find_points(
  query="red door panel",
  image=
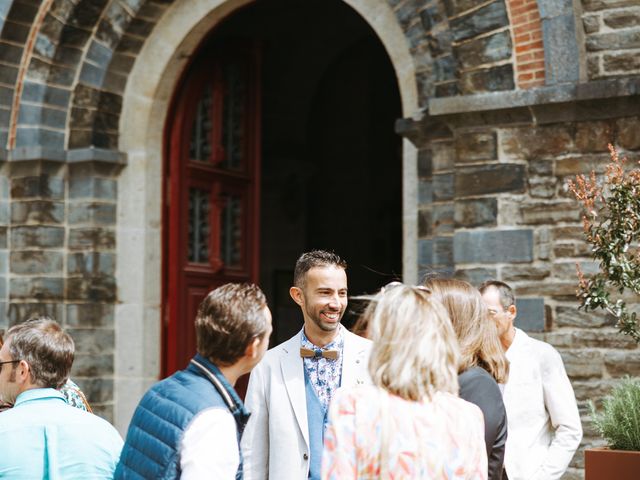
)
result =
(212, 194)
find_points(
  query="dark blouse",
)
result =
(479, 388)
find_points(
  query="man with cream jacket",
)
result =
(290, 389)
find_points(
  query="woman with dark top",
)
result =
(483, 364)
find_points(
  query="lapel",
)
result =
(293, 375)
(354, 361)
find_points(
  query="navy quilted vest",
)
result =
(151, 450)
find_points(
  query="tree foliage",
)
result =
(612, 229)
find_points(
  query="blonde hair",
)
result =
(477, 334)
(415, 352)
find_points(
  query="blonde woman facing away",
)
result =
(410, 423)
(483, 363)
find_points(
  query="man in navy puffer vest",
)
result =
(189, 425)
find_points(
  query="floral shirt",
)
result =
(74, 396)
(373, 434)
(324, 374)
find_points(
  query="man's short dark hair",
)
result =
(507, 297)
(229, 319)
(47, 349)
(312, 259)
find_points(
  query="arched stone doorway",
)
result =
(145, 113)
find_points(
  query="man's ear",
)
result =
(253, 348)
(296, 294)
(23, 372)
(513, 311)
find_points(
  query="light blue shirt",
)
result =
(42, 437)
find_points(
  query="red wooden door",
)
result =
(212, 192)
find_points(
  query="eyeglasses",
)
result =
(8, 361)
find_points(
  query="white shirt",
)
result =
(543, 420)
(209, 447)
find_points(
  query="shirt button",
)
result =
(357, 361)
(305, 456)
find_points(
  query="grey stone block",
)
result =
(488, 179)
(483, 20)
(531, 316)
(92, 213)
(91, 238)
(487, 80)
(90, 365)
(41, 186)
(93, 340)
(97, 390)
(37, 212)
(475, 276)
(425, 252)
(595, 5)
(425, 192)
(3, 237)
(90, 315)
(424, 223)
(3, 288)
(29, 136)
(93, 187)
(37, 236)
(443, 251)
(36, 262)
(4, 187)
(97, 288)
(443, 186)
(442, 218)
(621, 40)
(493, 48)
(4, 262)
(36, 288)
(562, 54)
(493, 246)
(19, 312)
(92, 75)
(471, 147)
(91, 263)
(99, 54)
(476, 213)
(445, 68)
(4, 213)
(425, 164)
(40, 93)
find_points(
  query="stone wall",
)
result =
(612, 29)
(494, 203)
(57, 259)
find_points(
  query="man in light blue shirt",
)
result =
(42, 436)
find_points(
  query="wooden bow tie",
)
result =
(330, 354)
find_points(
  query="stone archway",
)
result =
(146, 102)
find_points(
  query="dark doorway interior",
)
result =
(331, 162)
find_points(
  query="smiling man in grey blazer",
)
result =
(290, 389)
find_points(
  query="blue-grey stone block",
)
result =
(443, 187)
(561, 53)
(43, 186)
(44, 46)
(36, 262)
(91, 263)
(4, 187)
(425, 252)
(29, 137)
(530, 316)
(4, 213)
(493, 246)
(4, 261)
(93, 187)
(18, 312)
(99, 54)
(3, 237)
(485, 19)
(443, 251)
(93, 341)
(36, 288)
(37, 236)
(553, 8)
(425, 192)
(92, 75)
(37, 212)
(90, 315)
(92, 213)
(3, 288)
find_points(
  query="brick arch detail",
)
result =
(526, 28)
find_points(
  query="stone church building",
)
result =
(153, 149)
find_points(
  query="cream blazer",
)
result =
(275, 444)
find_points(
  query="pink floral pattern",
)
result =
(438, 439)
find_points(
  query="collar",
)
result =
(233, 401)
(38, 394)
(336, 344)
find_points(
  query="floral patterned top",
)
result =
(74, 396)
(373, 434)
(324, 374)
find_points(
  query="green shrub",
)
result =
(619, 420)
